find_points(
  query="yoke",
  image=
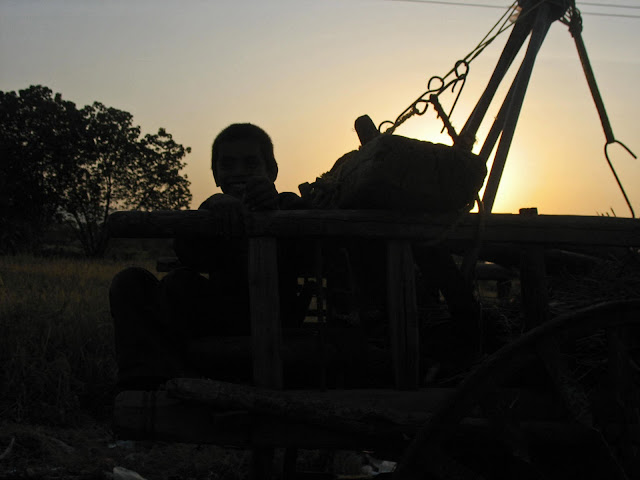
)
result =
(411, 422)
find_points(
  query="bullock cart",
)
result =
(520, 411)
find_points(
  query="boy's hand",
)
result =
(228, 210)
(260, 194)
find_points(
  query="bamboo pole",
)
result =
(543, 21)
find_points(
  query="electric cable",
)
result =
(485, 5)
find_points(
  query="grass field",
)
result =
(57, 368)
(57, 382)
(56, 338)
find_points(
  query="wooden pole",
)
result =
(518, 35)
(403, 314)
(540, 28)
(266, 333)
(266, 330)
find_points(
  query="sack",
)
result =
(395, 172)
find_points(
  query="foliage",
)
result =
(40, 136)
(79, 165)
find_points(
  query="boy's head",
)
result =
(239, 152)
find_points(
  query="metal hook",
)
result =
(613, 170)
(432, 88)
(461, 63)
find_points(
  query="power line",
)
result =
(484, 5)
(620, 15)
(461, 4)
(591, 4)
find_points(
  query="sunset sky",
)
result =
(304, 70)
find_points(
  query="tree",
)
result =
(40, 135)
(80, 165)
(120, 170)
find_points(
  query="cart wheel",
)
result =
(424, 456)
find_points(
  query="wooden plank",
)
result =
(157, 415)
(266, 329)
(352, 409)
(266, 334)
(402, 312)
(535, 298)
(172, 223)
(541, 229)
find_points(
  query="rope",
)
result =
(437, 85)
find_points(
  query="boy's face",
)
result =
(239, 161)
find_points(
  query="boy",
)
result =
(155, 320)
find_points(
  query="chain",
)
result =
(457, 75)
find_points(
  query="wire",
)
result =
(462, 4)
(484, 5)
(420, 105)
(636, 7)
(620, 15)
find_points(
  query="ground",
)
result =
(90, 451)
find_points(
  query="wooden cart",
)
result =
(484, 424)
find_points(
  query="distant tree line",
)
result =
(60, 163)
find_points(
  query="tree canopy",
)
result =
(79, 165)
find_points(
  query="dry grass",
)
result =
(56, 338)
(57, 366)
(614, 278)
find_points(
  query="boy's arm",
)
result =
(198, 252)
(260, 194)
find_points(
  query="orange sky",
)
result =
(306, 69)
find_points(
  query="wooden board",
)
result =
(542, 229)
(293, 419)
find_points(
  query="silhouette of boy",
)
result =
(154, 320)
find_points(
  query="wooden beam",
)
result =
(402, 311)
(351, 410)
(266, 329)
(266, 333)
(542, 22)
(170, 224)
(557, 230)
(159, 415)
